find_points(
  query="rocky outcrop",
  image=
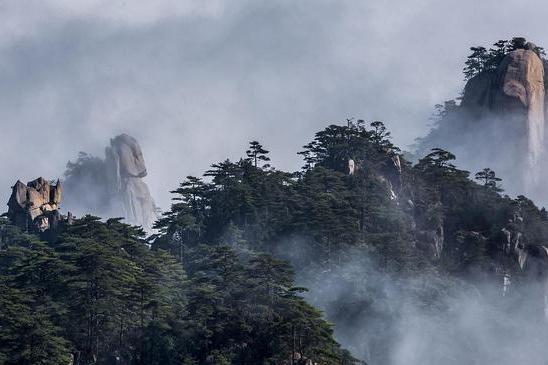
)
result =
(35, 206)
(517, 86)
(114, 185)
(521, 87)
(514, 92)
(351, 167)
(125, 168)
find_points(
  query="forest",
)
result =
(219, 283)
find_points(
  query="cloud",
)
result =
(193, 81)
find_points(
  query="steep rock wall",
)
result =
(511, 98)
(113, 186)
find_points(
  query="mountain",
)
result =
(500, 121)
(402, 257)
(112, 186)
(364, 255)
(412, 263)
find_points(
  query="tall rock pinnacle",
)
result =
(35, 206)
(126, 167)
(113, 186)
(501, 120)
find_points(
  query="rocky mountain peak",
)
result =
(35, 206)
(113, 186)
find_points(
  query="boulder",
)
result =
(36, 198)
(35, 205)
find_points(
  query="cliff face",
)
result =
(516, 92)
(517, 85)
(500, 123)
(125, 166)
(113, 186)
(520, 90)
(35, 206)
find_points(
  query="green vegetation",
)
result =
(483, 60)
(216, 284)
(99, 295)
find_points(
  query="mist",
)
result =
(194, 82)
(427, 318)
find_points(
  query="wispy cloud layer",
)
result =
(193, 81)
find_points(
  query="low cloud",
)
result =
(193, 82)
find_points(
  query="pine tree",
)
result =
(489, 179)
(257, 153)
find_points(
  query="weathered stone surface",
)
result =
(514, 93)
(113, 186)
(138, 204)
(516, 85)
(128, 155)
(478, 94)
(42, 187)
(35, 206)
(431, 241)
(56, 193)
(35, 198)
(18, 197)
(351, 167)
(48, 207)
(520, 77)
(125, 167)
(34, 213)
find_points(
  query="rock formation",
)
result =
(351, 167)
(500, 122)
(515, 91)
(126, 168)
(113, 186)
(35, 206)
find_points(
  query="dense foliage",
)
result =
(215, 285)
(407, 219)
(487, 60)
(98, 294)
(384, 205)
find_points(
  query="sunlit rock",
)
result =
(514, 92)
(35, 206)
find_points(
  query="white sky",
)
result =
(193, 81)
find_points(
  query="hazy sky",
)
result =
(193, 81)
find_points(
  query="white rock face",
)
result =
(113, 186)
(521, 77)
(125, 169)
(351, 167)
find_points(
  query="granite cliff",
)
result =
(113, 186)
(500, 121)
(35, 206)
